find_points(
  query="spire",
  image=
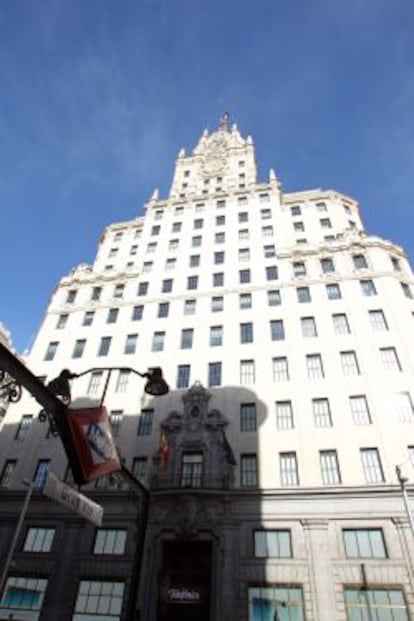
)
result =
(224, 122)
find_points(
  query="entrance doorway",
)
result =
(185, 585)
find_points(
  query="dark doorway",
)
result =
(185, 585)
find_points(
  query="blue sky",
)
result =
(98, 96)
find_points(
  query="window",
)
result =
(167, 285)
(51, 350)
(137, 313)
(288, 469)
(71, 296)
(359, 261)
(145, 422)
(284, 415)
(198, 223)
(245, 300)
(40, 474)
(396, 264)
(38, 540)
(88, 318)
(248, 470)
(147, 267)
(192, 282)
(131, 344)
(78, 348)
(23, 429)
(243, 216)
(173, 244)
(299, 268)
(325, 223)
(378, 321)
(23, 598)
(247, 372)
(406, 290)
(303, 295)
(119, 291)
(189, 307)
(187, 338)
(248, 417)
(382, 603)
(104, 346)
(371, 465)
(218, 279)
(246, 332)
(390, 359)
(308, 327)
(123, 380)
(265, 214)
(295, 210)
(118, 236)
(214, 374)
(364, 543)
(133, 250)
(7, 473)
(183, 376)
(94, 382)
(243, 234)
(139, 467)
(277, 330)
(333, 291)
(170, 264)
(271, 272)
(178, 211)
(62, 321)
(349, 363)
(321, 413)
(220, 220)
(272, 543)
(403, 407)
(216, 336)
(110, 541)
(321, 206)
(151, 248)
(314, 366)
(327, 265)
(244, 254)
(158, 341)
(359, 410)
(142, 288)
(330, 468)
(274, 298)
(244, 276)
(199, 207)
(191, 469)
(115, 419)
(176, 227)
(163, 309)
(155, 230)
(219, 238)
(298, 226)
(267, 231)
(340, 323)
(112, 315)
(217, 304)
(221, 203)
(368, 287)
(280, 369)
(276, 602)
(98, 600)
(218, 257)
(269, 251)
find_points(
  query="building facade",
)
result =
(286, 334)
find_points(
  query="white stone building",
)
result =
(300, 326)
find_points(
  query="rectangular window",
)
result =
(276, 602)
(389, 359)
(88, 318)
(38, 540)
(308, 326)
(122, 380)
(280, 369)
(186, 338)
(277, 330)
(330, 468)
(327, 265)
(274, 298)
(112, 315)
(145, 422)
(321, 413)
(371, 465)
(23, 429)
(220, 204)
(299, 268)
(146, 267)
(183, 376)
(288, 469)
(115, 419)
(340, 323)
(62, 321)
(396, 264)
(94, 382)
(191, 469)
(368, 287)
(359, 410)
(248, 470)
(142, 288)
(402, 406)
(104, 346)
(298, 226)
(119, 291)
(139, 467)
(155, 230)
(243, 234)
(51, 350)
(248, 417)
(214, 374)
(364, 543)
(95, 596)
(244, 254)
(244, 276)
(269, 251)
(192, 282)
(131, 344)
(170, 264)
(406, 290)
(267, 231)
(220, 220)
(359, 261)
(217, 304)
(219, 238)
(284, 415)
(7, 473)
(158, 341)
(272, 544)
(378, 321)
(216, 336)
(218, 279)
(40, 474)
(173, 244)
(321, 206)
(198, 223)
(265, 214)
(303, 295)
(71, 296)
(137, 313)
(110, 541)
(333, 291)
(246, 332)
(295, 210)
(247, 372)
(370, 603)
(271, 272)
(218, 257)
(325, 223)
(78, 348)
(23, 598)
(349, 363)
(314, 366)
(245, 300)
(163, 309)
(151, 248)
(243, 216)
(167, 285)
(189, 307)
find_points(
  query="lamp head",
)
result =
(156, 384)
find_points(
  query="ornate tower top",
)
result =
(224, 121)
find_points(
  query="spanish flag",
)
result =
(164, 449)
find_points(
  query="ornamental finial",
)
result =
(224, 121)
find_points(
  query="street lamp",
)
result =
(403, 482)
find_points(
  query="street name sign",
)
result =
(69, 497)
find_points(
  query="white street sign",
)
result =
(55, 489)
